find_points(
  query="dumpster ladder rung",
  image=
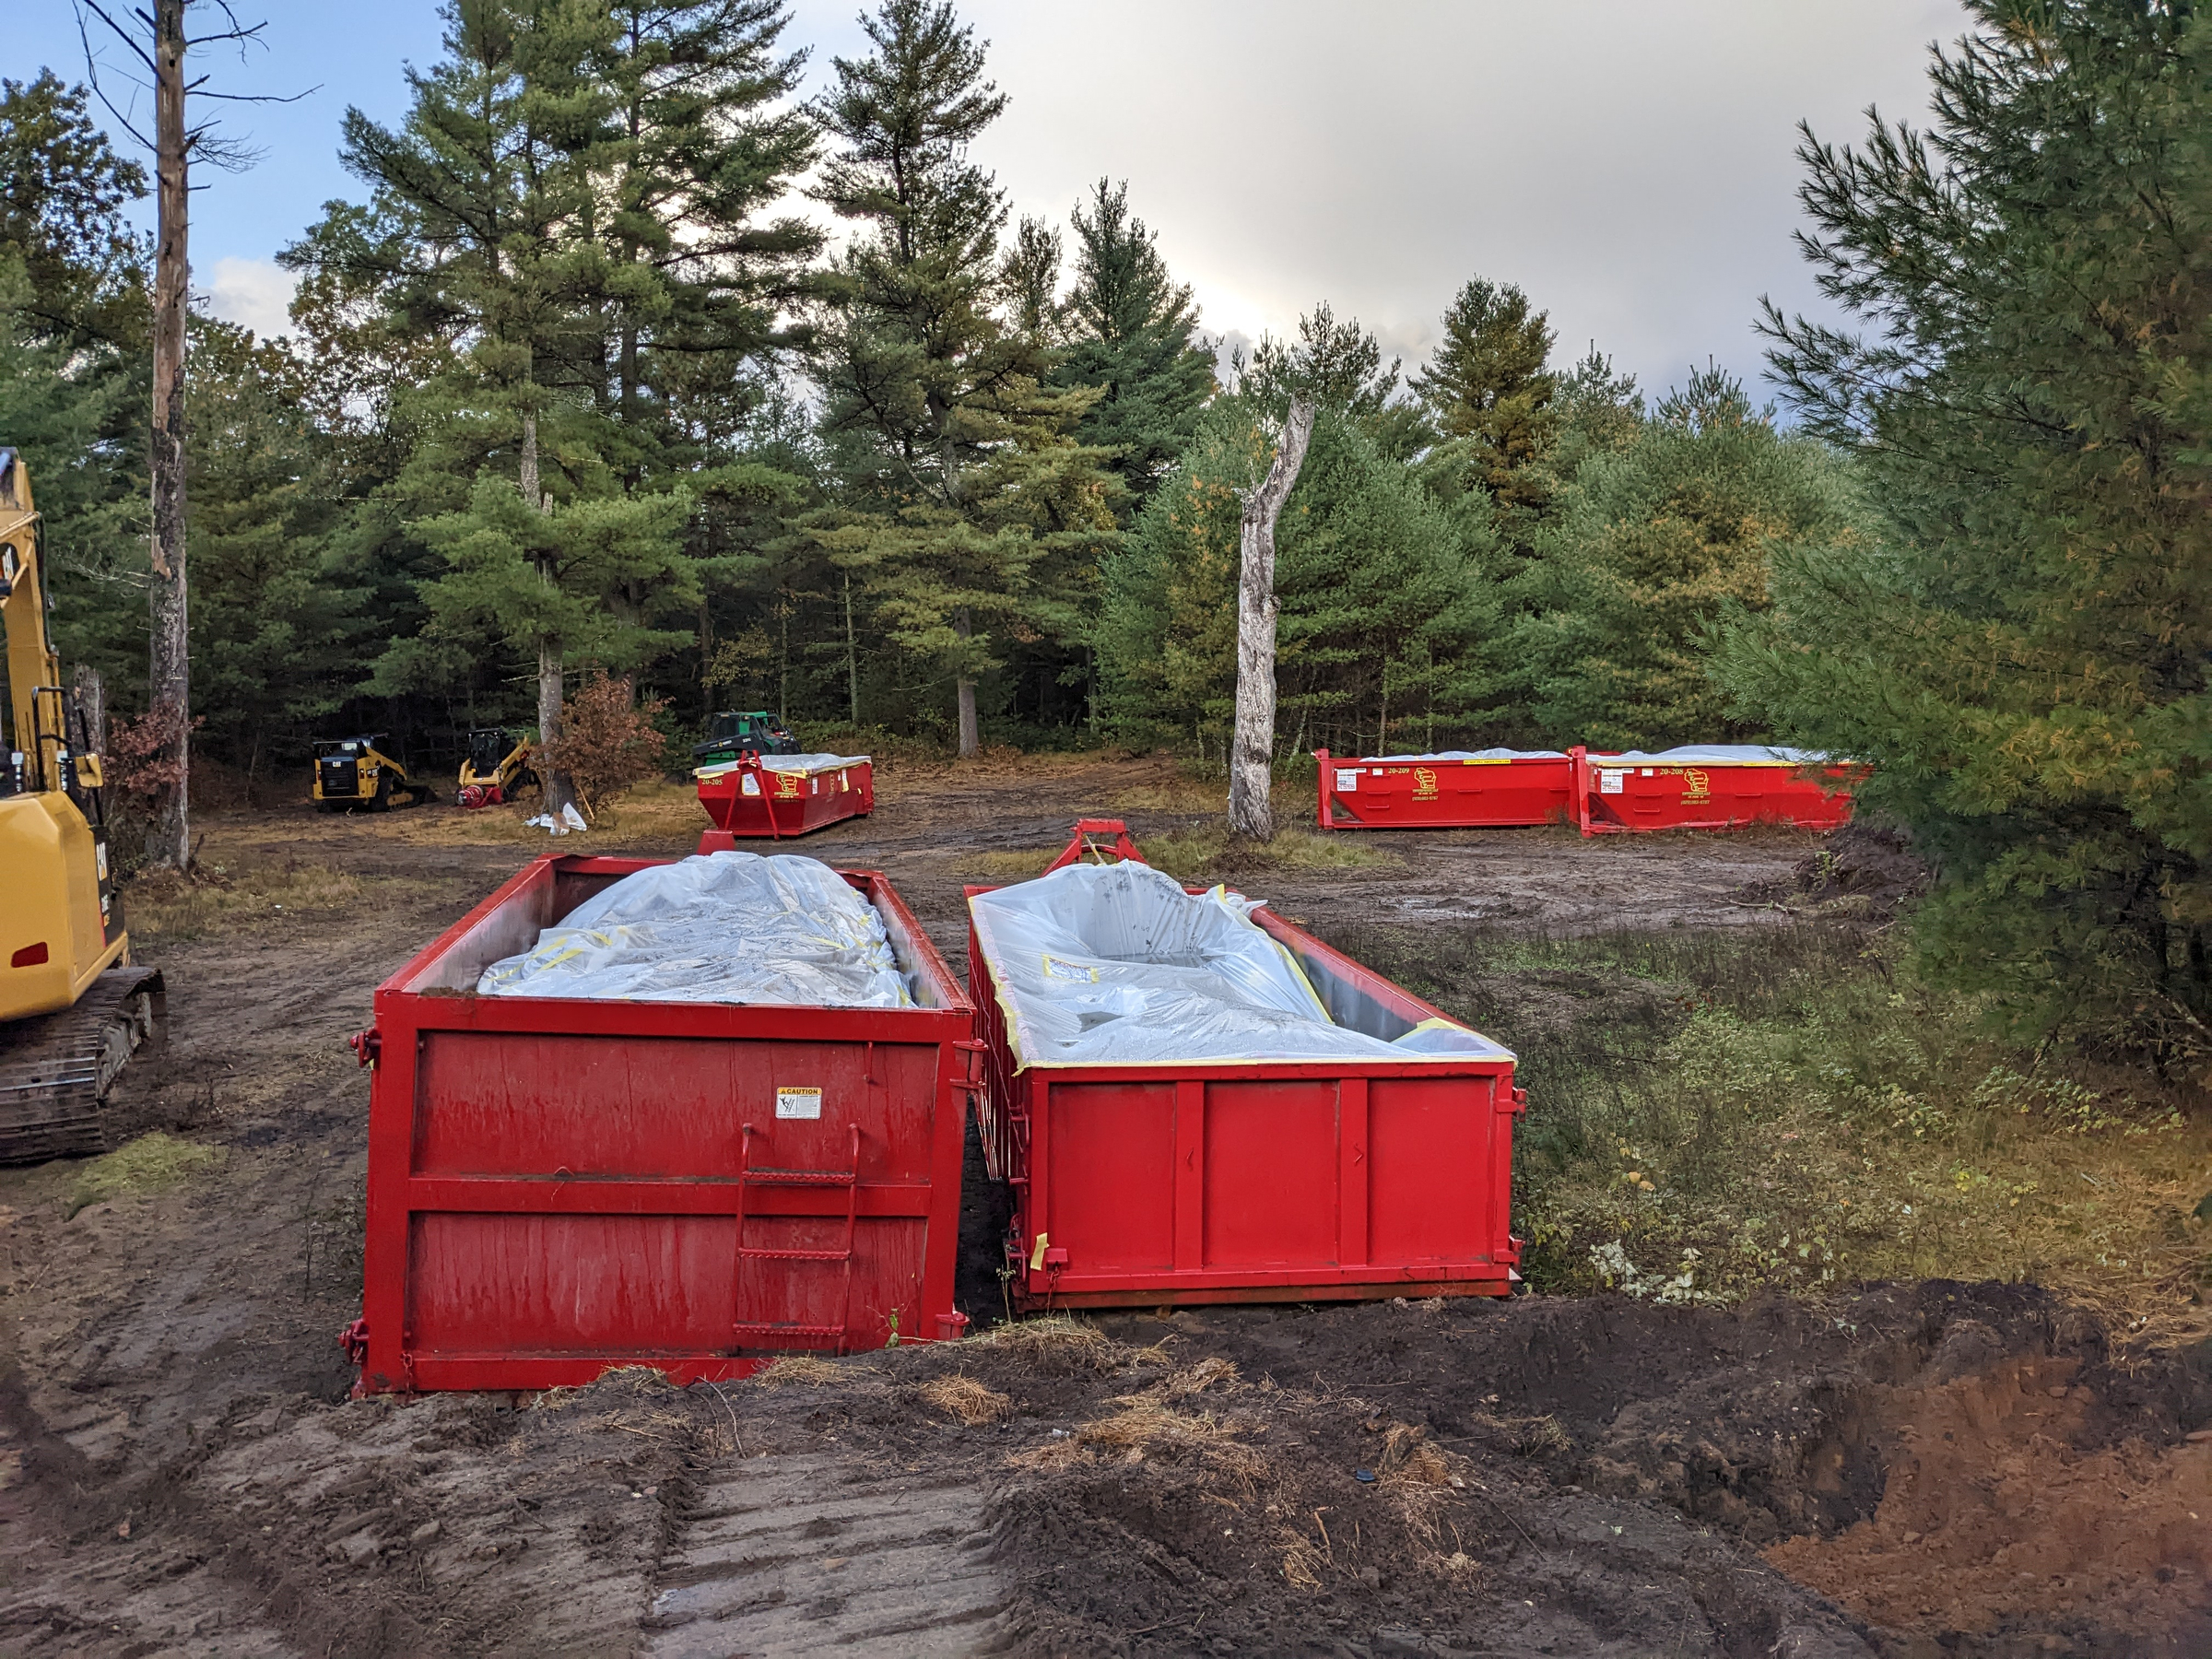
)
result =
(748, 1176)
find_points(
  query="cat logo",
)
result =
(787, 785)
(1424, 783)
(1694, 785)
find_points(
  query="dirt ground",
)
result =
(1910, 1470)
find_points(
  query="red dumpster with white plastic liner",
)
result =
(559, 1184)
(774, 796)
(1710, 786)
(1457, 789)
(1141, 1178)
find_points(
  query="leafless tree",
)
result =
(157, 40)
(1252, 759)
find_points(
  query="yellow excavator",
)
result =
(72, 1006)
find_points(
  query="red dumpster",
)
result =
(1256, 1180)
(1724, 786)
(557, 1185)
(779, 795)
(1460, 789)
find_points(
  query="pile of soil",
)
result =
(1872, 864)
(1565, 1476)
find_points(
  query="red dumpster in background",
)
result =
(753, 797)
(557, 1185)
(1461, 789)
(1709, 787)
(1254, 1181)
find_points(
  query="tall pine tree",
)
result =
(2023, 656)
(971, 500)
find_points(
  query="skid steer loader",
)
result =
(352, 771)
(72, 1005)
(497, 767)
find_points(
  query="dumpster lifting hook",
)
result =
(367, 1047)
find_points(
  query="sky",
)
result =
(1628, 163)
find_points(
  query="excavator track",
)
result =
(55, 1070)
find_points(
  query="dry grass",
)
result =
(152, 1163)
(1055, 1341)
(1144, 1424)
(239, 893)
(805, 1369)
(1208, 854)
(1200, 1377)
(1712, 1114)
(966, 1400)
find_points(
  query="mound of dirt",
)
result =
(1590, 1477)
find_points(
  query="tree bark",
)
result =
(168, 685)
(557, 791)
(971, 739)
(1251, 758)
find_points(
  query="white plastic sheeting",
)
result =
(806, 765)
(1116, 965)
(1711, 754)
(729, 927)
(1489, 754)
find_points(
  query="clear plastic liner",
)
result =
(1117, 965)
(806, 765)
(1489, 754)
(728, 927)
(1711, 754)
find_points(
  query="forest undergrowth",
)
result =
(1717, 1112)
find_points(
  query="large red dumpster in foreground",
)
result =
(1487, 788)
(1725, 787)
(1264, 1180)
(750, 797)
(557, 1185)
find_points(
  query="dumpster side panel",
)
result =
(1442, 795)
(785, 803)
(516, 1103)
(1113, 1172)
(569, 1284)
(1271, 1172)
(557, 1186)
(1614, 799)
(1432, 1164)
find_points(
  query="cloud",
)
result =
(252, 293)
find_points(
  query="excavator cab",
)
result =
(352, 771)
(753, 732)
(72, 1006)
(497, 769)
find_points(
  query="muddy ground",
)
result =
(1907, 1470)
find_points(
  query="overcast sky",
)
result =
(1629, 162)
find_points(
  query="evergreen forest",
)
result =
(571, 384)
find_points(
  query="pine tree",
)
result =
(1379, 613)
(1648, 543)
(483, 232)
(970, 499)
(1489, 391)
(1339, 366)
(2023, 654)
(63, 192)
(1134, 332)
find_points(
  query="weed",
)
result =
(1716, 1112)
(152, 1163)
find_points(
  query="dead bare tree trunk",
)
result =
(971, 739)
(92, 694)
(1251, 760)
(557, 791)
(169, 669)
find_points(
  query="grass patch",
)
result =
(152, 1163)
(1714, 1113)
(221, 895)
(968, 1401)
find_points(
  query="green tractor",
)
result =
(754, 732)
